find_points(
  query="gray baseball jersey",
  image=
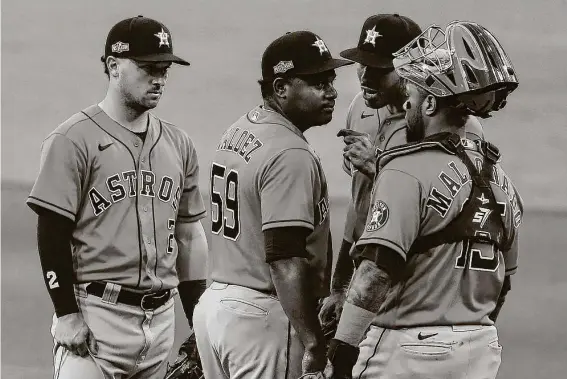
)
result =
(452, 284)
(124, 195)
(266, 175)
(387, 130)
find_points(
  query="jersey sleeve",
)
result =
(286, 191)
(395, 212)
(511, 255)
(191, 205)
(59, 184)
(348, 234)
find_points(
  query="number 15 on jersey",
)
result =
(224, 202)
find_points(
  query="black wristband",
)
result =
(189, 293)
(342, 356)
(54, 233)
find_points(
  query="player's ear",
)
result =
(112, 64)
(431, 105)
(280, 87)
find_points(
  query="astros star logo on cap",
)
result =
(321, 45)
(371, 35)
(163, 38)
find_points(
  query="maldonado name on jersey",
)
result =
(441, 202)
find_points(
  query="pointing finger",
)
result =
(349, 132)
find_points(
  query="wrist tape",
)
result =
(353, 324)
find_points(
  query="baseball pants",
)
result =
(440, 352)
(132, 343)
(244, 334)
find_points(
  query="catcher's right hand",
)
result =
(188, 364)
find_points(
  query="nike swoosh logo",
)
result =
(104, 147)
(422, 337)
(364, 115)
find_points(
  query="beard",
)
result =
(137, 103)
(416, 126)
(379, 97)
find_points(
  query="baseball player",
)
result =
(271, 244)
(375, 123)
(441, 237)
(119, 215)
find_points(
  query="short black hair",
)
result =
(267, 85)
(456, 113)
(266, 88)
(103, 60)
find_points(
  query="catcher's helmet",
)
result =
(465, 61)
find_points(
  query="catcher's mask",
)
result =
(465, 62)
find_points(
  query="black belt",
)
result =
(146, 301)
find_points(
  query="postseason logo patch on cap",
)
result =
(283, 67)
(120, 47)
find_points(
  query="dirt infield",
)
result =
(531, 325)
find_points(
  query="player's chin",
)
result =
(375, 102)
(325, 116)
(151, 103)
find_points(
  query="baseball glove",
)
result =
(188, 364)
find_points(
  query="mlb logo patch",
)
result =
(380, 214)
(120, 47)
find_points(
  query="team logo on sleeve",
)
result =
(380, 214)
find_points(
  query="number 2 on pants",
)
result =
(224, 204)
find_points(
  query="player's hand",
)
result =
(359, 150)
(330, 313)
(314, 361)
(73, 334)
